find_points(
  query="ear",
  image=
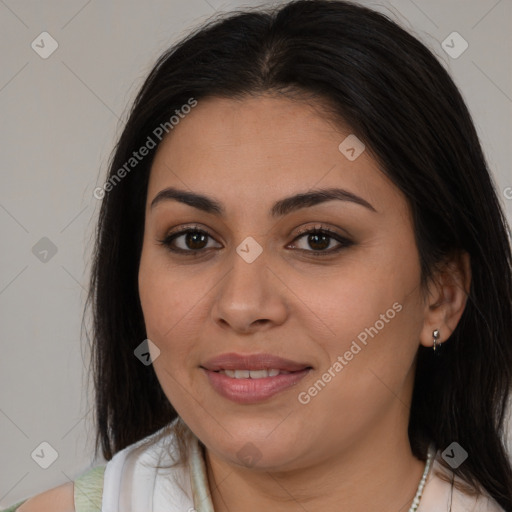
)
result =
(446, 298)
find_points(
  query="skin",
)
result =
(349, 444)
(58, 499)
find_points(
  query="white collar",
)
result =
(199, 478)
(133, 482)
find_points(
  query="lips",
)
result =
(254, 362)
(248, 379)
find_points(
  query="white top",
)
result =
(133, 484)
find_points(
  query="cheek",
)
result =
(167, 302)
(365, 300)
(368, 364)
(168, 306)
(375, 314)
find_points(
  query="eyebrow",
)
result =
(279, 209)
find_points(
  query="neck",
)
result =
(370, 475)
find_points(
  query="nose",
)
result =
(250, 297)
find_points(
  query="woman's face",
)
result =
(344, 316)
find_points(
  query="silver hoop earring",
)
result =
(435, 334)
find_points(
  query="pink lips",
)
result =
(252, 390)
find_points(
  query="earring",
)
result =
(435, 334)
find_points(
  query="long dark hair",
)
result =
(399, 100)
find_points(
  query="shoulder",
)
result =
(83, 494)
(58, 499)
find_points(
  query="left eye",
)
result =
(320, 240)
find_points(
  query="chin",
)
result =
(256, 449)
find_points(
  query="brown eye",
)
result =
(319, 240)
(195, 240)
(187, 241)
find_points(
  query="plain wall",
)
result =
(59, 120)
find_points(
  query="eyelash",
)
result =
(167, 241)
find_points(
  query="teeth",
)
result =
(252, 374)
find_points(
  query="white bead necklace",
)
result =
(419, 492)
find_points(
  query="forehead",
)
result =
(259, 147)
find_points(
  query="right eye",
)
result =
(193, 241)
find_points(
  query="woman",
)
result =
(299, 231)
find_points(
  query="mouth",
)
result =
(253, 363)
(253, 374)
(249, 379)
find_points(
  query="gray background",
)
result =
(59, 120)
